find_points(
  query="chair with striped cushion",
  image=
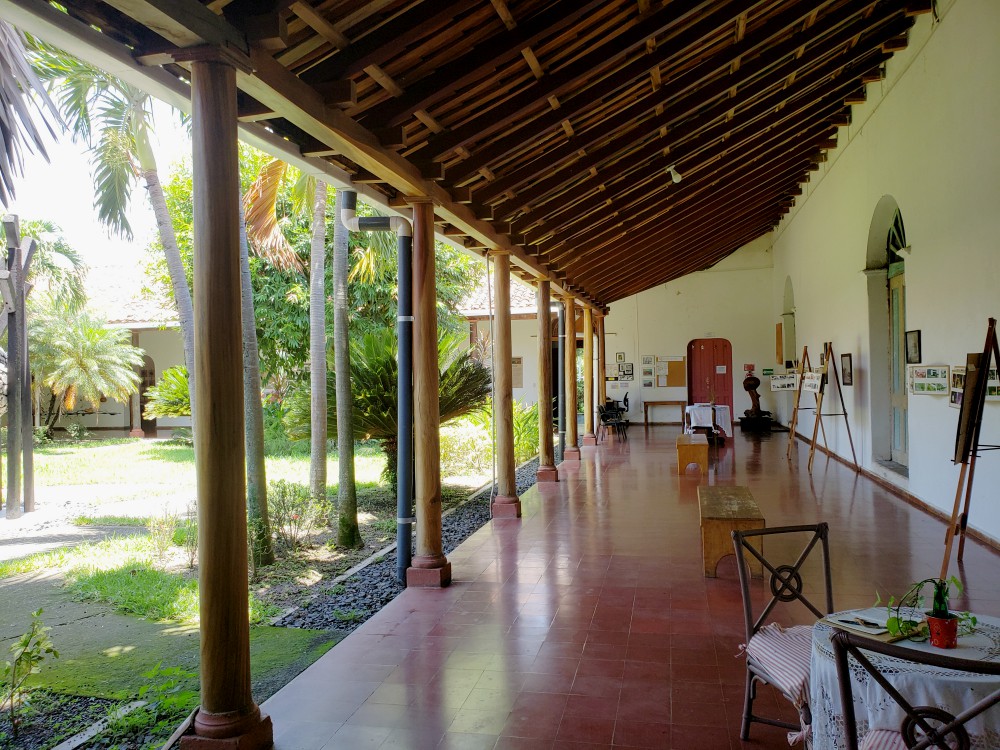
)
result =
(923, 726)
(777, 655)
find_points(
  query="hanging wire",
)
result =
(493, 383)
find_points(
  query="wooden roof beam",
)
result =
(489, 55)
(678, 86)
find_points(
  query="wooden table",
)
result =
(724, 510)
(647, 404)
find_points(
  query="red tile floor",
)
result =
(588, 622)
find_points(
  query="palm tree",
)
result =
(317, 344)
(17, 126)
(77, 358)
(464, 385)
(116, 120)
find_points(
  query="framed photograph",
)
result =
(620, 357)
(621, 368)
(647, 382)
(932, 380)
(846, 369)
(628, 368)
(647, 359)
(913, 347)
(647, 371)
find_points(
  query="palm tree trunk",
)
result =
(262, 553)
(178, 278)
(317, 346)
(348, 534)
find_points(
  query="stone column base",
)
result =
(136, 433)
(571, 454)
(506, 506)
(589, 439)
(258, 736)
(429, 572)
(547, 474)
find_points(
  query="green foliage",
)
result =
(905, 615)
(77, 431)
(168, 697)
(27, 653)
(276, 440)
(40, 436)
(111, 521)
(171, 396)
(294, 513)
(76, 356)
(464, 385)
(161, 533)
(466, 447)
(57, 271)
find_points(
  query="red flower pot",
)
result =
(943, 630)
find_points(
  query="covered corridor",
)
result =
(588, 622)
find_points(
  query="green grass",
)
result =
(131, 462)
(131, 521)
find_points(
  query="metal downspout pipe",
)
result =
(404, 368)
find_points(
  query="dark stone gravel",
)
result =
(350, 603)
(51, 718)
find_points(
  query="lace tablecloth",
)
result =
(920, 684)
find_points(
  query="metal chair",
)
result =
(779, 656)
(610, 418)
(923, 726)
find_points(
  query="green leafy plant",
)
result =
(77, 431)
(161, 533)
(170, 397)
(905, 614)
(27, 652)
(294, 513)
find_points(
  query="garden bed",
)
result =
(50, 718)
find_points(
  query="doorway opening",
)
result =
(885, 269)
(710, 372)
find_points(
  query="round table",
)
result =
(920, 684)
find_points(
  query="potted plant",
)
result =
(943, 625)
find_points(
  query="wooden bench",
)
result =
(692, 449)
(724, 510)
(647, 404)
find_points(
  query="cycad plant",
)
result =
(78, 358)
(464, 385)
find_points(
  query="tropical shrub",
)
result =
(170, 397)
(294, 513)
(464, 384)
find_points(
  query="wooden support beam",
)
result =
(571, 451)
(588, 377)
(338, 93)
(547, 471)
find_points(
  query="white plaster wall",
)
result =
(927, 137)
(729, 301)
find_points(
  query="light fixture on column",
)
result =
(675, 176)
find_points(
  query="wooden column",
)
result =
(602, 380)
(546, 450)
(228, 717)
(572, 451)
(588, 377)
(506, 504)
(429, 567)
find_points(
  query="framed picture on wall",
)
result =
(647, 359)
(846, 369)
(629, 369)
(620, 357)
(913, 347)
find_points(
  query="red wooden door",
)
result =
(710, 372)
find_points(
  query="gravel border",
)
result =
(352, 598)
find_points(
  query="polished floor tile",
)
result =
(588, 623)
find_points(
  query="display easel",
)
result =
(804, 366)
(824, 372)
(967, 447)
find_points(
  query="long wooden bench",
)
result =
(725, 509)
(692, 449)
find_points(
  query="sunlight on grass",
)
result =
(137, 521)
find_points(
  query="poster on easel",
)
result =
(812, 382)
(957, 386)
(786, 382)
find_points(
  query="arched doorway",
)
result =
(885, 269)
(710, 372)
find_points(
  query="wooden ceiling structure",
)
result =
(544, 129)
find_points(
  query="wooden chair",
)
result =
(775, 655)
(923, 726)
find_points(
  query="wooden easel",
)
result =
(824, 371)
(967, 447)
(804, 366)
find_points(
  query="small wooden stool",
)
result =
(724, 510)
(692, 449)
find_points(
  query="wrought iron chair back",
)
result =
(924, 726)
(786, 586)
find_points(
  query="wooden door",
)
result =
(899, 430)
(148, 375)
(710, 372)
